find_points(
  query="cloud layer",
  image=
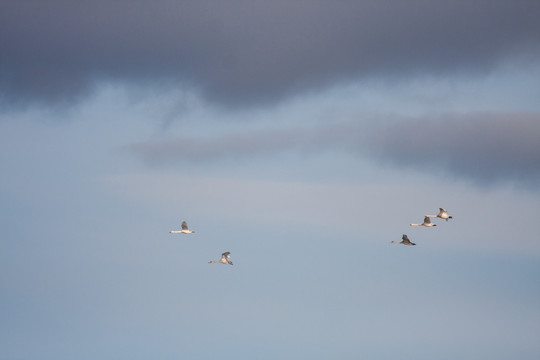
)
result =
(483, 147)
(241, 52)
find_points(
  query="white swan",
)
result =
(442, 214)
(427, 222)
(225, 259)
(185, 229)
(405, 241)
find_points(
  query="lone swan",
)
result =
(225, 259)
(185, 229)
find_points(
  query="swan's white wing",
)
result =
(184, 225)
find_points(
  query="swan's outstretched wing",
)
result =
(184, 225)
(225, 255)
(406, 240)
(427, 220)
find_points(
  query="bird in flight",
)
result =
(405, 241)
(225, 259)
(442, 214)
(427, 222)
(185, 229)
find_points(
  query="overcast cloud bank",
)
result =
(239, 52)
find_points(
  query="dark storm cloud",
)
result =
(240, 52)
(486, 148)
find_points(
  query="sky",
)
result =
(303, 137)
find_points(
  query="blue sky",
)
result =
(303, 138)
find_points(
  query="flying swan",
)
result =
(185, 229)
(442, 214)
(427, 222)
(225, 259)
(405, 241)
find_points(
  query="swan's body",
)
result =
(405, 241)
(185, 229)
(427, 222)
(442, 214)
(225, 259)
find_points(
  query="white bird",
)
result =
(185, 229)
(225, 259)
(427, 222)
(405, 241)
(442, 214)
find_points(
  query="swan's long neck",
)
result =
(175, 231)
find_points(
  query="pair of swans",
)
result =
(443, 214)
(225, 257)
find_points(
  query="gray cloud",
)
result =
(485, 147)
(235, 146)
(482, 147)
(244, 52)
